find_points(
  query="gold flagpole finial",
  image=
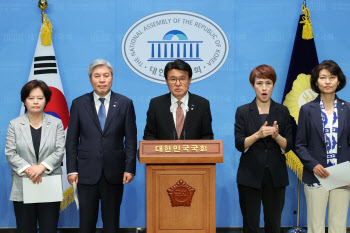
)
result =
(46, 26)
(42, 4)
(307, 28)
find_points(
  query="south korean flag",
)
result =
(45, 68)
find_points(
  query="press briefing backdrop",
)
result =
(258, 32)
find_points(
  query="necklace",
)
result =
(36, 125)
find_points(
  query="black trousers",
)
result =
(29, 215)
(111, 199)
(272, 199)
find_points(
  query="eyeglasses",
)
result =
(174, 80)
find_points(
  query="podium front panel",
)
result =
(181, 198)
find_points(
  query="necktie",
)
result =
(102, 113)
(180, 119)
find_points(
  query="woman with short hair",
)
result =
(34, 148)
(322, 141)
(263, 133)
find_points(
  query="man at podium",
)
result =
(178, 114)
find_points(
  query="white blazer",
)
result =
(20, 153)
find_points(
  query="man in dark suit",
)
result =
(178, 114)
(101, 149)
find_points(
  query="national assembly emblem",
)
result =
(181, 194)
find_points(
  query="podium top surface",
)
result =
(180, 151)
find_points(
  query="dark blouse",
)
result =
(36, 136)
(263, 117)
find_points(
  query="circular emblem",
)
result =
(300, 94)
(165, 36)
(181, 194)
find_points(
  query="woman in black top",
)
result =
(262, 133)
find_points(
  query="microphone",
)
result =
(184, 129)
(174, 133)
(174, 128)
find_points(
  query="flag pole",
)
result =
(298, 207)
(301, 65)
(42, 4)
(297, 229)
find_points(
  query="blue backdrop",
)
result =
(258, 32)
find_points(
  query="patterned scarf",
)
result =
(330, 131)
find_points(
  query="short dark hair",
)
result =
(178, 65)
(333, 68)
(264, 72)
(29, 86)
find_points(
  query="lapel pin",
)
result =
(191, 108)
(114, 105)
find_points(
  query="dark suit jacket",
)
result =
(310, 142)
(91, 150)
(160, 122)
(265, 151)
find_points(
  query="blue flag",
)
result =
(297, 91)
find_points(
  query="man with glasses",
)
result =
(178, 114)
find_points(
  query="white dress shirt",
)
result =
(98, 102)
(174, 105)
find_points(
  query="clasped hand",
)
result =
(265, 130)
(34, 173)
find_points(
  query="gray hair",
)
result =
(99, 62)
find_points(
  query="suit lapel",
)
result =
(315, 114)
(189, 115)
(91, 109)
(27, 135)
(273, 116)
(254, 114)
(46, 129)
(168, 117)
(273, 112)
(342, 113)
(112, 109)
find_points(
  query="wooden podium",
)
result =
(180, 185)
